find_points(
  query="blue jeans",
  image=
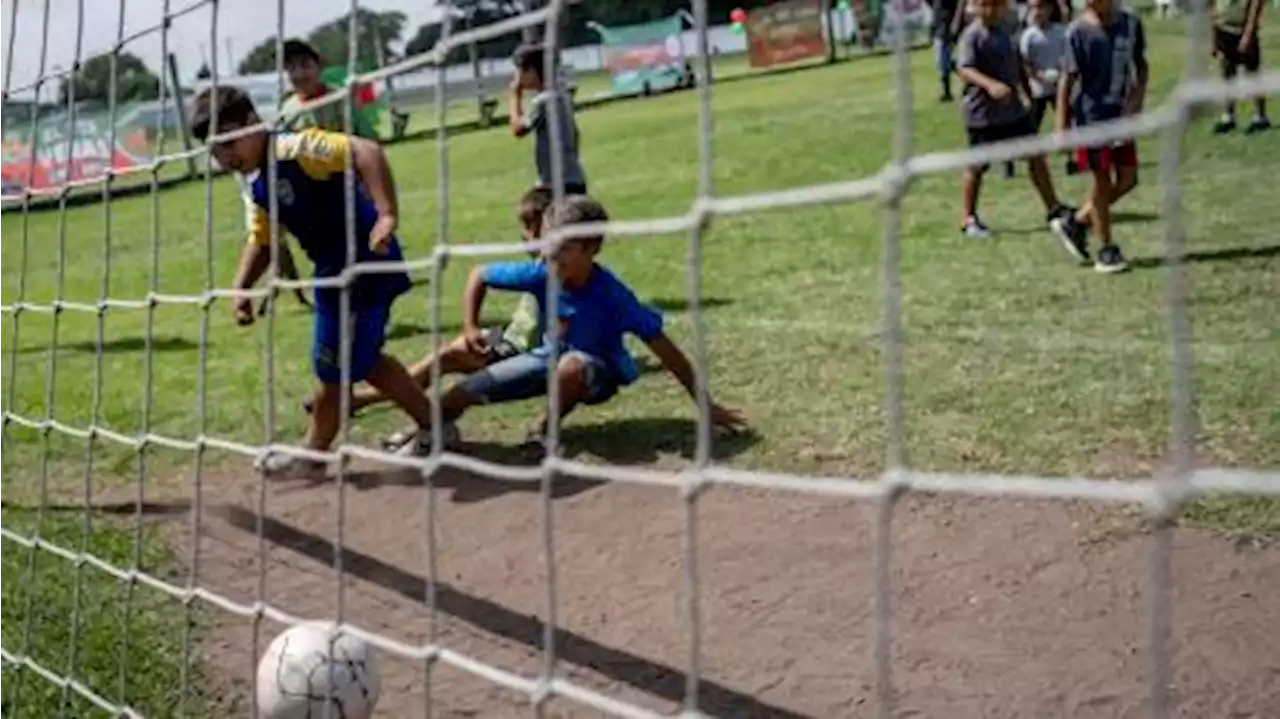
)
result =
(525, 376)
(942, 53)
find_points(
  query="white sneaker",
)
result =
(416, 441)
(291, 466)
(974, 229)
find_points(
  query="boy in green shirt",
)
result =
(522, 333)
(1235, 43)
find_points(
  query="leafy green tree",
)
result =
(133, 80)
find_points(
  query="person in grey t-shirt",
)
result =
(987, 62)
(1104, 78)
(544, 121)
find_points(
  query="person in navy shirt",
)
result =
(312, 204)
(595, 309)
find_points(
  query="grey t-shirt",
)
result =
(992, 52)
(538, 119)
(1105, 58)
(1042, 50)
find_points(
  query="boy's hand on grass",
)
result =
(244, 311)
(380, 235)
(727, 419)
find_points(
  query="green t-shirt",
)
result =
(1231, 14)
(328, 117)
(522, 330)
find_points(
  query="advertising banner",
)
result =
(63, 155)
(644, 56)
(785, 32)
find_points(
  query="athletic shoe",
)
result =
(1224, 125)
(1061, 211)
(417, 440)
(1110, 260)
(1257, 124)
(974, 229)
(1073, 236)
(290, 467)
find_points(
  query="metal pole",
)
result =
(182, 124)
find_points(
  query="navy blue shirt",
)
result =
(1105, 59)
(311, 205)
(593, 317)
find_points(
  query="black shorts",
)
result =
(1022, 127)
(1227, 43)
(1039, 108)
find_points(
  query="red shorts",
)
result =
(1105, 158)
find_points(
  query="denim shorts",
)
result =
(525, 376)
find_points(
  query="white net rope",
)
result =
(1161, 495)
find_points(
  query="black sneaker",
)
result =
(1060, 212)
(1224, 125)
(1110, 260)
(1073, 236)
(1256, 125)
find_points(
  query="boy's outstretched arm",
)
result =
(370, 163)
(515, 110)
(674, 360)
(472, 302)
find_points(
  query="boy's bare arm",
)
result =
(515, 112)
(472, 301)
(254, 260)
(1066, 84)
(677, 363)
(1253, 19)
(989, 85)
(370, 163)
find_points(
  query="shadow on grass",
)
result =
(1223, 255)
(402, 330)
(656, 678)
(682, 304)
(623, 442)
(1129, 218)
(124, 344)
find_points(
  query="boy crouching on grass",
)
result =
(522, 333)
(595, 310)
(992, 72)
(312, 206)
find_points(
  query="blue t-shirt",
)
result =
(593, 317)
(1106, 59)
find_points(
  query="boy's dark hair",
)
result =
(577, 210)
(530, 56)
(533, 205)
(296, 51)
(235, 110)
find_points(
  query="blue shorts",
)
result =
(366, 331)
(525, 376)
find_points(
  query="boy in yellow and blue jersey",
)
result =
(312, 204)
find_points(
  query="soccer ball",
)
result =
(299, 673)
(1051, 77)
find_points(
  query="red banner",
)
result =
(785, 32)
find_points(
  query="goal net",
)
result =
(1181, 480)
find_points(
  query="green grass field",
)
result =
(1017, 360)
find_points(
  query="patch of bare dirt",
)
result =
(1001, 608)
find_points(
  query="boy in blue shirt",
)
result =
(522, 332)
(312, 206)
(595, 310)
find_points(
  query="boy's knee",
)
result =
(572, 370)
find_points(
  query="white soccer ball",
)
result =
(1051, 77)
(299, 670)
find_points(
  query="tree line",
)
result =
(377, 32)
